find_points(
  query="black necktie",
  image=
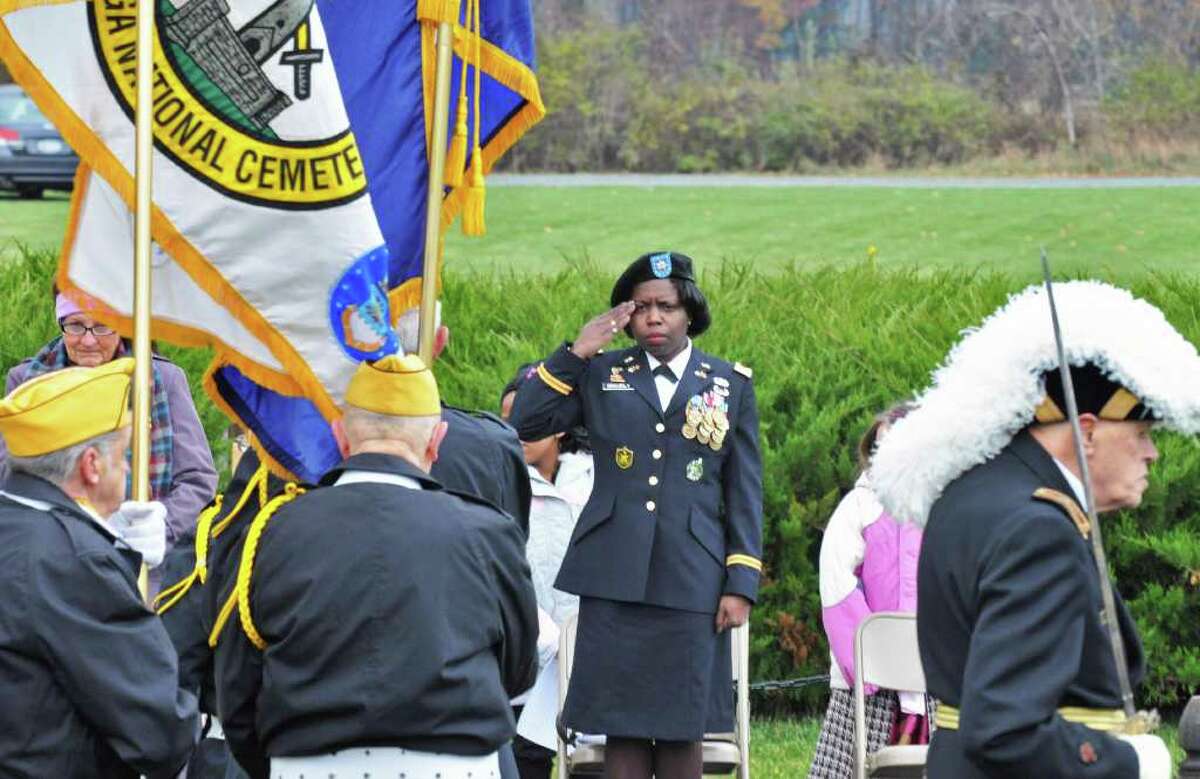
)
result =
(665, 371)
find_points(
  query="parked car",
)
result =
(33, 155)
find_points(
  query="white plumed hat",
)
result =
(992, 384)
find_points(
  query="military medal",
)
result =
(695, 470)
(688, 431)
(624, 458)
(616, 377)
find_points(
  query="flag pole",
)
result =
(433, 205)
(143, 143)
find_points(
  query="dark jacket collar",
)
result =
(35, 488)
(1026, 449)
(381, 463)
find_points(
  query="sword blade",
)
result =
(266, 33)
(1106, 588)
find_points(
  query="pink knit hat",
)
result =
(65, 306)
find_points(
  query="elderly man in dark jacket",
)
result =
(384, 622)
(1011, 624)
(90, 680)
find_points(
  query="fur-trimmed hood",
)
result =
(990, 385)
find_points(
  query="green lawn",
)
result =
(35, 223)
(1113, 231)
(1118, 230)
(783, 748)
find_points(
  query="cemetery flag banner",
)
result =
(268, 249)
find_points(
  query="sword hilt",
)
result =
(302, 62)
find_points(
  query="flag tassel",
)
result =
(456, 158)
(473, 222)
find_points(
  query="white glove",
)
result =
(547, 643)
(144, 527)
(1154, 759)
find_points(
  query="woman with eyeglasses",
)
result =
(182, 475)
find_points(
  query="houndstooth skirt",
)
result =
(834, 757)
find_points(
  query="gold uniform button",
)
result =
(656, 454)
(649, 505)
(660, 428)
(653, 481)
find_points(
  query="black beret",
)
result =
(1095, 393)
(656, 265)
(665, 265)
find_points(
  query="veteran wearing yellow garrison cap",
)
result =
(92, 687)
(385, 621)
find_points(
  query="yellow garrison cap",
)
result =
(397, 385)
(66, 407)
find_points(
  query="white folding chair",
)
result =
(723, 752)
(886, 655)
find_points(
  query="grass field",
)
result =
(1110, 231)
(1114, 232)
(783, 748)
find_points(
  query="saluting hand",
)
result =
(599, 332)
(732, 612)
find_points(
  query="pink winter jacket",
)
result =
(868, 564)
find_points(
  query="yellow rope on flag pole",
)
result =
(473, 223)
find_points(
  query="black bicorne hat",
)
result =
(666, 265)
(1095, 393)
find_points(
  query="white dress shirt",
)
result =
(678, 364)
(1074, 481)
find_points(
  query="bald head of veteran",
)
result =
(393, 407)
(72, 429)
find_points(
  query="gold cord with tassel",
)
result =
(473, 222)
(456, 158)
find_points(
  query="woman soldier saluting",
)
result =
(666, 554)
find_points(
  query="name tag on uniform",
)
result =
(610, 386)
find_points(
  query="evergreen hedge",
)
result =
(829, 348)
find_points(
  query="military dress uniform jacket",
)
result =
(482, 456)
(88, 673)
(1010, 627)
(391, 617)
(671, 521)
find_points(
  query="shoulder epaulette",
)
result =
(1067, 504)
(743, 370)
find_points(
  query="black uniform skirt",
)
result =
(649, 672)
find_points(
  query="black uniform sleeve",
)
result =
(184, 618)
(549, 402)
(517, 604)
(742, 483)
(113, 660)
(1024, 652)
(519, 494)
(238, 668)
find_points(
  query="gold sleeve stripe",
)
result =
(744, 559)
(557, 385)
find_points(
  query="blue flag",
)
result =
(383, 51)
